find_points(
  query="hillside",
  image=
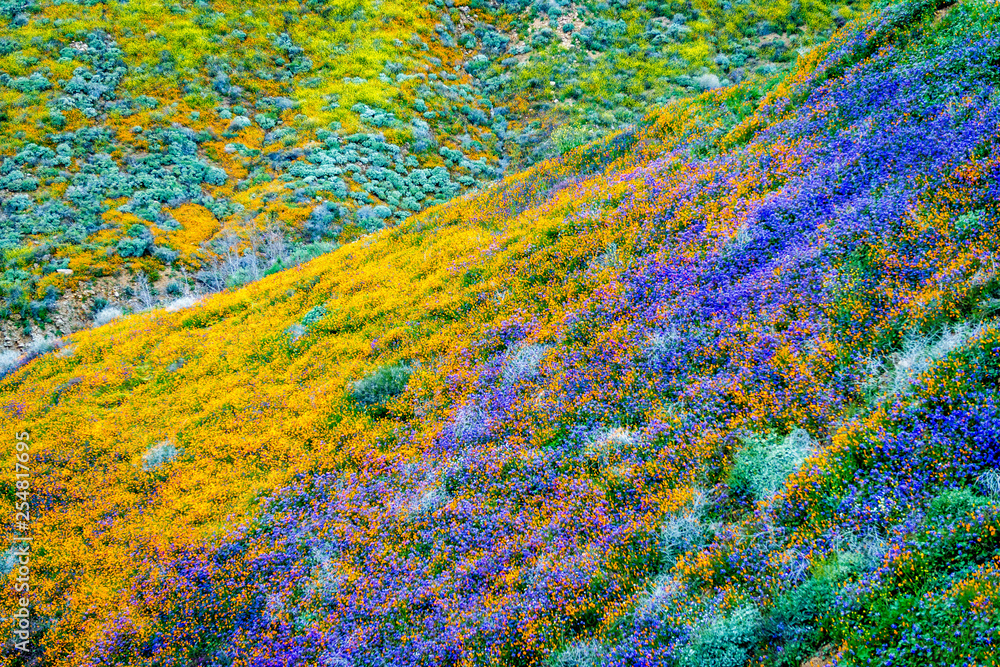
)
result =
(155, 150)
(717, 390)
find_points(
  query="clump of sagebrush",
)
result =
(375, 390)
(523, 363)
(707, 82)
(608, 445)
(295, 332)
(11, 361)
(724, 641)
(428, 499)
(989, 483)
(569, 136)
(661, 343)
(868, 545)
(181, 303)
(159, 454)
(685, 529)
(668, 344)
(107, 314)
(471, 423)
(666, 589)
(8, 361)
(765, 461)
(896, 373)
(607, 259)
(580, 654)
(315, 314)
(325, 580)
(42, 346)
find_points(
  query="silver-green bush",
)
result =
(373, 391)
(765, 461)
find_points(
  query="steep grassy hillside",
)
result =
(150, 149)
(718, 391)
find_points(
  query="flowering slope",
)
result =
(722, 390)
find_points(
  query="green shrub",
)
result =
(792, 623)
(568, 137)
(472, 276)
(373, 391)
(314, 315)
(793, 630)
(133, 247)
(955, 503)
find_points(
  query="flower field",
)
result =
(721, 389)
